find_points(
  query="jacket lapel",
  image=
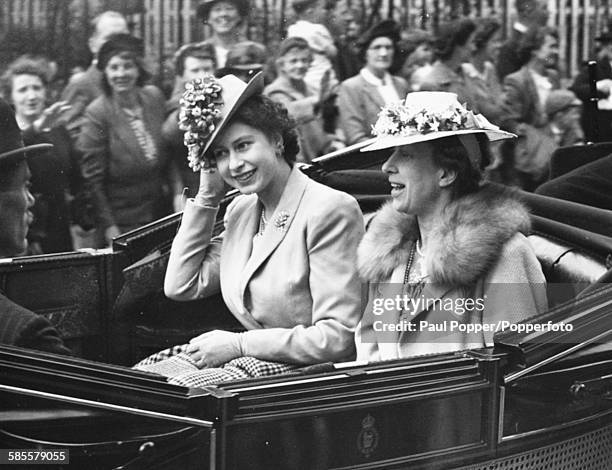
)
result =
(371, 93)
(278, 225)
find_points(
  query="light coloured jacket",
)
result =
(477, 252)
(359, 103)
(296, 291)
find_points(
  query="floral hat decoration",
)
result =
(206, 107)
(428, 115)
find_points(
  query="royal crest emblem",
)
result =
(367, 440)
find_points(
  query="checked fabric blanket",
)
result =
(180, 369)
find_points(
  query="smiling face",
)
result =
(121, 73)
(295, 63)
(248, 160)
(379, 55)
(223, 17)
(15, 203)
(414, 177)
(28, 94)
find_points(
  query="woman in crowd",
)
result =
(481, 67)
(453, 46)
(121, 142)
(285, 262)
(457, 248)
(290, 89)
(55, 170)
(225, 18)
(361, 97)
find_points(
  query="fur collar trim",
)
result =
(466, 241)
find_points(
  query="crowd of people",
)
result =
(119, 160)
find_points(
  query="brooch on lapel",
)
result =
(281, 219)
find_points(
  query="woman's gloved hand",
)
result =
(215, 348)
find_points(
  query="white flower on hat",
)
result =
(428, 115)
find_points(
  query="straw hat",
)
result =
(428, 115)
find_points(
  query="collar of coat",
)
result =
(465, 243)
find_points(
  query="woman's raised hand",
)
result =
(212, 188)
(51, 116)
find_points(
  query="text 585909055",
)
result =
(34, 456)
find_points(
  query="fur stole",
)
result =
(465, 244)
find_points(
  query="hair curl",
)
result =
(21, 66)
(273, 120)
(450, 154)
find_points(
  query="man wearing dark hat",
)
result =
(603, 75)
(19, 326)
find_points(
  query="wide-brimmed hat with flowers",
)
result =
(428, 115)
(207, 106)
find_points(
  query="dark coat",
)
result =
(23, 328)
(55, 175)
(582, 89)
(126, 187)
(508, 59)
(521, 101)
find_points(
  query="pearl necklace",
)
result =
(262, 222)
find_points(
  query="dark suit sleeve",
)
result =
(23, 328)
(93, 144)
(39, 334)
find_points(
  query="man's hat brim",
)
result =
(253, 87)
(390, 141)
(24, 150)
